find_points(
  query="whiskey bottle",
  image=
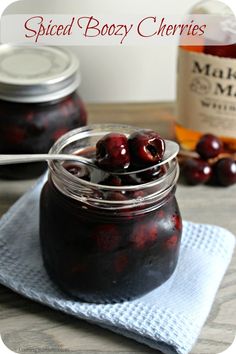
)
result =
(206, 86)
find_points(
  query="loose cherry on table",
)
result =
(210, 163)
(209, 146)
(225, 171)
(197, 171)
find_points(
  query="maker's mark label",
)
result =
(206, 93)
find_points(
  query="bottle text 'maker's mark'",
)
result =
(218, 73)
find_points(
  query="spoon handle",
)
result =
(12, 159)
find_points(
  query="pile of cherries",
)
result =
(116, 153)
(211, 164)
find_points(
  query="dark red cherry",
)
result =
(112, 152)
(160, 214)
(105, 237)
(79, 268)
(209, 146)
(15, 135)
(129, 180)
(171, 242)
(177, 221)
(58, 133)
(196, 171)
(121, 262)
(225, 171)
(137, 194)
(116, 196)
(78, 170)
(151, 174)
(146, 147)
(112, 180)
(144, 235)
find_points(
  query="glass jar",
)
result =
(206, 92)
(39, 102)
(103, 243)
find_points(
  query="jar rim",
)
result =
(59, 173)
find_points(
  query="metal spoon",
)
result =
(171, 152)
(13, 159)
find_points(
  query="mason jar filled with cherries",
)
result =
(39, 102)
(111, 232)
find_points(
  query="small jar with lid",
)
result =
(104, 241)
(39, 102)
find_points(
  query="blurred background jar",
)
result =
(39, 102)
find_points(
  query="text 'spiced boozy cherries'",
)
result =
(197, 171)
(146, 147)
(225, 171)
(209, 146)
(105, 236)
(112, 152)
(39, 103)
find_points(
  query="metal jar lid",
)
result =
(37, 74)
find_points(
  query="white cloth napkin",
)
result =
(169, 318)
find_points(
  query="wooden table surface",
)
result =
(27, 327)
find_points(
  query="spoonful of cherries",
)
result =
(115, 153)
